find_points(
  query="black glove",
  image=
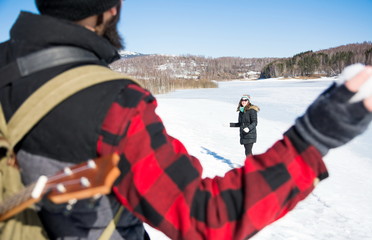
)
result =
(332, 121)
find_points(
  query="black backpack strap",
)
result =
(44, 59)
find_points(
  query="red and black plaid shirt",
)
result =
(162, 185)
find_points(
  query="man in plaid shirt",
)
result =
(160, 182)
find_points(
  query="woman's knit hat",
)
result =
(74, 10)
(246, 97)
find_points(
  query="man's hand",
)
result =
(363, 82)
(246, 130)
(333, 120)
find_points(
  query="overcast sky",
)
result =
(242, 28)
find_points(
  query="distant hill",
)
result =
(328, 62)
(190, 67)
(164, 73)
(129, 54)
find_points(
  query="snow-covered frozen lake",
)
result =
(340, 207)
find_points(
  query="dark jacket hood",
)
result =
(32, 32)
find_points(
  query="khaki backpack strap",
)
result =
(3, 130)
(106, 235)
(54, 92)
(3, 127)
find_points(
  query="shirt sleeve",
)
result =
(162, 185)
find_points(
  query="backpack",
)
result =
(26, 224)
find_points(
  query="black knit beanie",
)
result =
(74, 10)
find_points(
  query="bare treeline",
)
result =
(328, 62)
(161, 73)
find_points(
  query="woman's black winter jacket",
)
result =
(248, 119)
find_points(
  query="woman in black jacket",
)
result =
(247, 123)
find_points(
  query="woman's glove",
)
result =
(246, 130)
(333, 120)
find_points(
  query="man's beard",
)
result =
(111, 32)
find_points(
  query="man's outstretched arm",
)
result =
(161, 183)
